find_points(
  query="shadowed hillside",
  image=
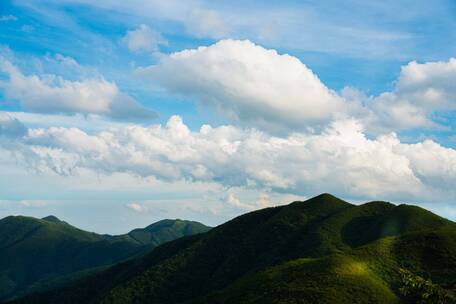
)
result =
(39, 253)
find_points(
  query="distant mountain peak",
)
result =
(326, 196)
(321, 202)
(166, 230)
(52, 219)
(62, 252)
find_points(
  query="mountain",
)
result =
(165, 231)
(37, 254)
(323, 250)
(52, 219)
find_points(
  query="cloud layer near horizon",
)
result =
(340, 159)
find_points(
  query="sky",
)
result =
(116, 114)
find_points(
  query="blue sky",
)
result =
(106, 106)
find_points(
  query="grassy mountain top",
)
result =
(39, 253)
(166, 230)
(323, 250)
(51, 218)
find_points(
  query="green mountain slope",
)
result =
(38, 253)
(323, 250)
(165, 231)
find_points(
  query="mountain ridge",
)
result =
(52, 218)
(304, 252)
(36, 251)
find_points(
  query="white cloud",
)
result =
(66, 60)
(143, 39)
(137, 207)
(34, 203)
(258, 87)
(307, 26)
(203, 22)
(8, 18)
(235, 202)
(341, 159)
(54, 94)
(249, 84)
(262, 200)
(87, 122)
(421, 92)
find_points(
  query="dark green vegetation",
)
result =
(37, 254)
(323, 250)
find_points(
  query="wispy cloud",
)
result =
(8, 18)
(143, 39)
(306, 26)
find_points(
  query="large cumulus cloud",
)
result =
(255, 86)
(249, 84)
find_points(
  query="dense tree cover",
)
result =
(416, 289)
(323, 250)
(38, 254)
